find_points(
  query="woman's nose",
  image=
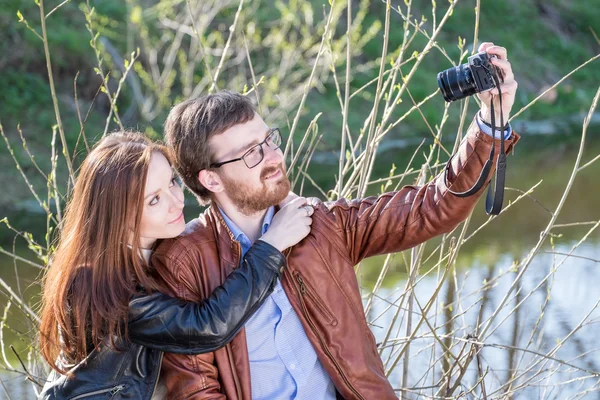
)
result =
(176, 202)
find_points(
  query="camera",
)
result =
(475, 76)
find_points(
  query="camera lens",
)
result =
(456, 83)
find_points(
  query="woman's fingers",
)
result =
(291, 196)
(290, 224)
(308, 209)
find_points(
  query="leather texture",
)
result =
(320, 280)
(159, 323)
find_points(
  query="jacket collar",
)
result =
(229, 248)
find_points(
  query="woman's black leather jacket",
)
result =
(159, 323)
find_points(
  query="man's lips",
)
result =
(275, 174)
(177, 219)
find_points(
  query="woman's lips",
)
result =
(177, 219)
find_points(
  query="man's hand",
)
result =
(508, 88)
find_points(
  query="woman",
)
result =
(108, 345)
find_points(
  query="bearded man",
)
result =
(310, 339)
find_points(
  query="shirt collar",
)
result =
(237, 232)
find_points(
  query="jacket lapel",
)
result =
(235, 352)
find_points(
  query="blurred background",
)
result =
(70, 71)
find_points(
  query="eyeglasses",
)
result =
(255, 154)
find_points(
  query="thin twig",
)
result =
(59, 122)
(213, 86)
(345, 109)
(532, 102)
(308, 84)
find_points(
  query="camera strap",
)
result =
(493, 200)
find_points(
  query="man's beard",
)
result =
(250, 201)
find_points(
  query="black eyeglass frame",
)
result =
(259, 145)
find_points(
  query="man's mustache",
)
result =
(271, 170)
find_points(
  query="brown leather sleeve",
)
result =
(191, 377)
(186, 377)
(400, 220)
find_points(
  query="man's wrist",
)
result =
(487, 128)
(485, 116)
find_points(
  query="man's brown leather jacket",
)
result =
(320, 281)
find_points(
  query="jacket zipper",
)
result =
(113, 391)
(307, 290)
(157, 373)
(301, 293)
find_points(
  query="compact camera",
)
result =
(475, 76)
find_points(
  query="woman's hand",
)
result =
(290, 225)
(291, 196)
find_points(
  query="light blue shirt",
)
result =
(488, 131)
(283, 362)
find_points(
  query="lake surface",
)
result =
(557, 295)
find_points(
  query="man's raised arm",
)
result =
(399, 220)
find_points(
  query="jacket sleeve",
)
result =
(399, 220)
(177, 268)
(176, 326)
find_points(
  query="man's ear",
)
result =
(211, 180)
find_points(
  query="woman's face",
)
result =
(162, 216)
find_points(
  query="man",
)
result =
(310, 339)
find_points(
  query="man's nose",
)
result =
(272, 156)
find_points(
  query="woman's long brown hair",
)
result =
(96, 267)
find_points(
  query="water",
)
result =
(18, 330)
(520, 342)
(516, 339)
(572, 292)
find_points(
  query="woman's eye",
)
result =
(154, 200)
(175, 181)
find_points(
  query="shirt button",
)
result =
(292, 366)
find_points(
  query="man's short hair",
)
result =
(192, 123)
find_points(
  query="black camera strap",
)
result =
(493, 201)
